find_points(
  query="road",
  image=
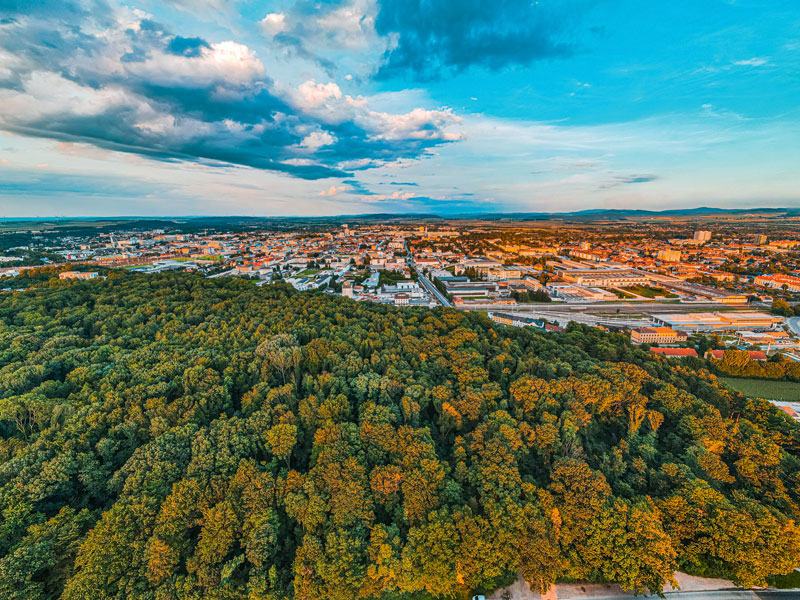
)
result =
(794, 324)
(432, 288)
(637, 308)
(734, 594)
(223, 274)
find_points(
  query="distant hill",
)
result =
(200, 222)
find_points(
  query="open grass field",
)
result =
(647, 291)
(770, 390)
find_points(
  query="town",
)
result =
(664, 285)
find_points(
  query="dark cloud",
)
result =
(640, 179)
(182, 98)
(357, 188)
(628, 180)
(434, 39)
(293, 42)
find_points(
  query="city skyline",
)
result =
(360, 107)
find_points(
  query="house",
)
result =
(77, 275)
(674, 352)
(720, 354)
(520, 321)
(401, 299)
(790, 411)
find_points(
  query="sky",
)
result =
(225, 107)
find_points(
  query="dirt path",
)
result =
(520, 590)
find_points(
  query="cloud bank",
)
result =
(113, 77)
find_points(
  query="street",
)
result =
(432, 289)
(794, 324)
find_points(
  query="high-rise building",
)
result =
(702, 236)
(669, 255)
(347, 289)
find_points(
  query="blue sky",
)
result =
(356, 106)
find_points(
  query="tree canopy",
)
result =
(169, 437)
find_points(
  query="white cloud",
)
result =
(351, 25)
(317, 139)
(273, 24)
(46, 93)
(316, 94)
(419, 124)
(756, 61)
(333, 190)
(224, 62)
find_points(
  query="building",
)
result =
(482, 302)
(720, 354)
(657, 335)
(520, 321)
(77, 275)
(515, 320)
(604, 277)
(578, 293)
(719, 295)
(669, 255)
(674, 352)
(500, 273)
(701, 236)
(373, 281)
(467, 289)
(722, 321)
(778, 281)
(480, 265)
(585, 254)
(789, 410)
(347, 289)
(401, 299)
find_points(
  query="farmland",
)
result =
(760, 388)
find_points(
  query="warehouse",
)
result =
(718, 321)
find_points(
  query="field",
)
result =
(648, 291)
(759, 388)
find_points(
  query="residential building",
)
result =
(669, 255)
(657, 335)
(675, 352)
(778, 282)
(77, 275)
(702, 236)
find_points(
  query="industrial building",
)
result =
(605, 277)
(718, 321)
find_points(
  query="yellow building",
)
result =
(657, 335)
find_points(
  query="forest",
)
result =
(170, 437)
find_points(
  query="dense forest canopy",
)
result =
(172, 437)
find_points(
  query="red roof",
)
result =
(754, 354)
(789, 411)
(679, 352)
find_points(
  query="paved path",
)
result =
(432, 289)
(794, 324)
(692, 588)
